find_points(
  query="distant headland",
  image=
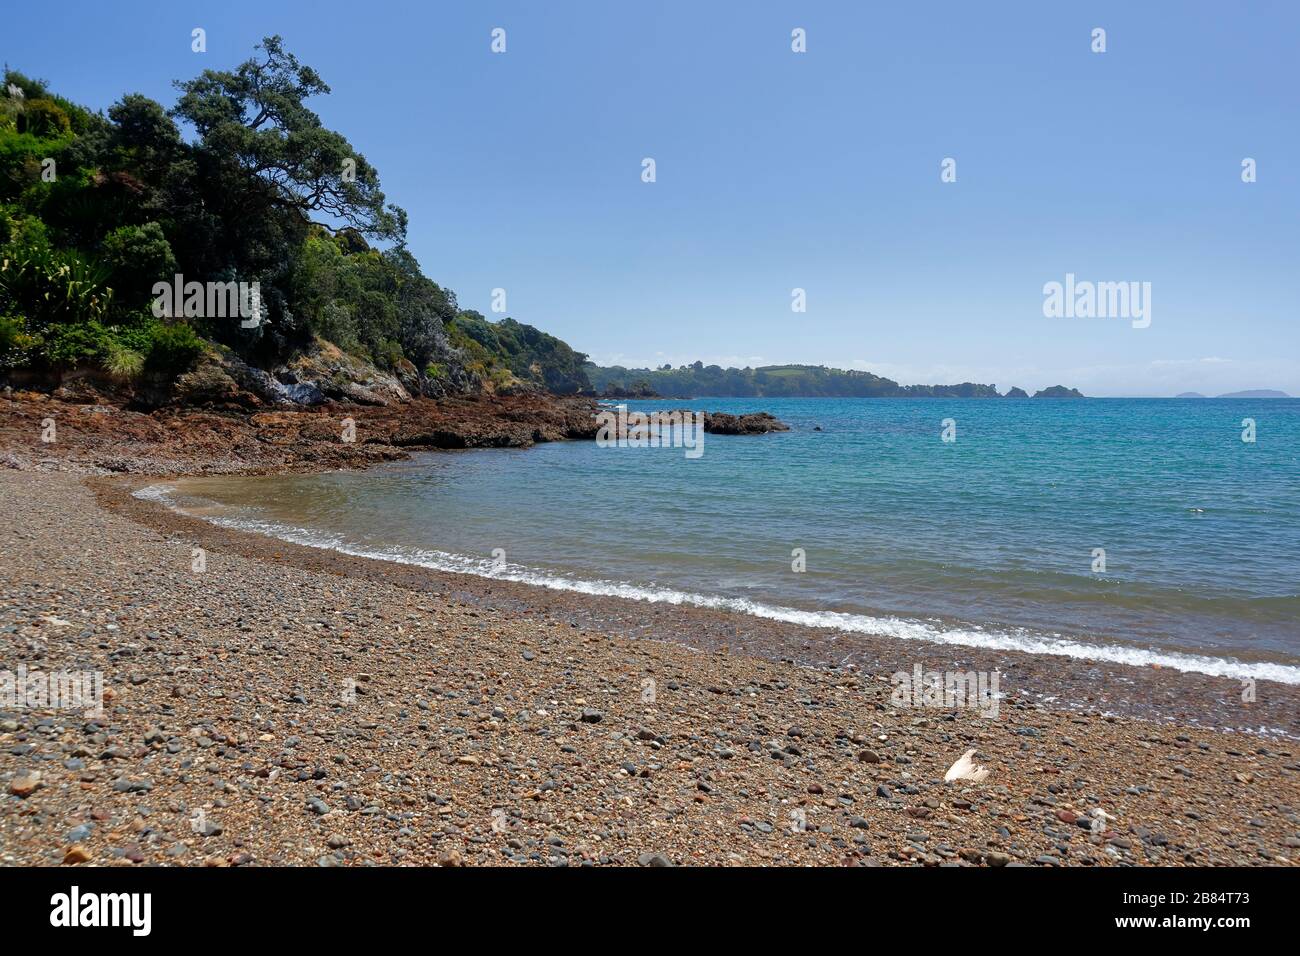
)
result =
(782, 381)
(1248, 393)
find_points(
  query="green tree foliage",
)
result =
(254, 121)
(137, 257)
(528, 354)
(261, 192)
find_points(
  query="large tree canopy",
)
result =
(255, 118)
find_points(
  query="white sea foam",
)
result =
(898, 628)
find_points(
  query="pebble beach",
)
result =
(290, 706)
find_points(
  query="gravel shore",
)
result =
(289, 706)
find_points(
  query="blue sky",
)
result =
(821, 170)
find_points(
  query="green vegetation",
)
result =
(526, 353)
(95, 209)
(769, 381)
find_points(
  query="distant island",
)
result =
(1058, 391)
(1248, 393)
(781, 381)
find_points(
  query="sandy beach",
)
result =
(289, 705)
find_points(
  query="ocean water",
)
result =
(989, 540)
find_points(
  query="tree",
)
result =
(423, 309)
(254, 119)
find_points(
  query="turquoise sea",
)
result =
(988, 540)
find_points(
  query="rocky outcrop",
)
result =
(239, 432)
(622, 423)
(323, 372)
(754, 423)
(636, 390)
(1059, 391)
(499, 422)
(342, 377)
(246, 424)
(1016, 393)
(222, 380)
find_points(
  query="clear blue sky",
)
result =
(821, 170)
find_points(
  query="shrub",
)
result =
(12, 100)
(50, 286)
(29, 87)
(137, 334)
(16, 345)
(18, 229)
(138, 256)
(501, 378)
(44, 118)
(122, 363)
(81, 119)
(173, 349)
(10, 328)
(77, 343)
(387, 353)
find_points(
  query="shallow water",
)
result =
(987, 540)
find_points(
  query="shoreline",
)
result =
(932, 630)
(1069, 683)
(175, 441)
